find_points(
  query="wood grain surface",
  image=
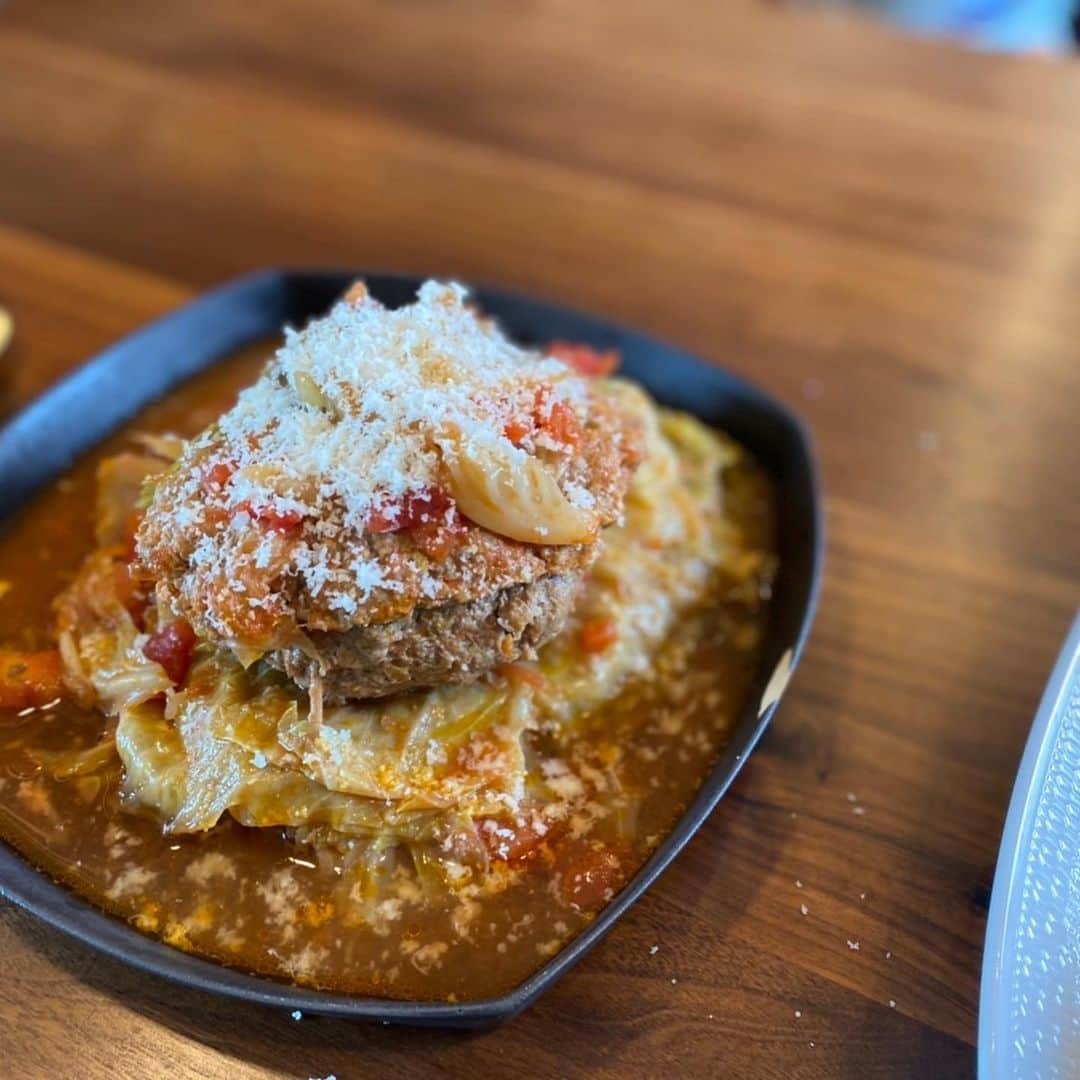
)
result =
(883, 232)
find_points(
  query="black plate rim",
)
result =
(55, 904)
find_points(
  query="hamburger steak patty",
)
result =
(404, 498)
(454, 643)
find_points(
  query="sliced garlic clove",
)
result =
(517, 499)
(307, 390)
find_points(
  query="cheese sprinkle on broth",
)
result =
(500, 463)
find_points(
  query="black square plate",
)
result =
(88, 405)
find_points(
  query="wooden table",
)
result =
(885, 233)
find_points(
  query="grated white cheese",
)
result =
(281, 894)
(214, 864)
(393, 383)
(356, 411)
(429, 956)
(133, 881)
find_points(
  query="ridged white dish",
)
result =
(1029, 1008)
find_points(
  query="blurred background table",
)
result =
(885, 232)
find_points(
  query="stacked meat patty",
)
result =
(405, 498)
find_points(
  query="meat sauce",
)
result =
(255, 899)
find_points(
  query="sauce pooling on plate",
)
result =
(441, 842)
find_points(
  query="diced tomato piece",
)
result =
(283, 522)
(384, 519)
(598, 635)
(590, 874)
(562, 424)
(29, 679)
(356, 294)
(584, 359)
(517, 429)
(422, 507)
(171, 647)
(513, 843)
(425, 506)
(216, 478)
(556, 419)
